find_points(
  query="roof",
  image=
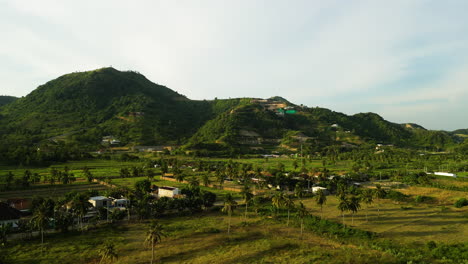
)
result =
(98, 198)
(8, 213)
(168, 188)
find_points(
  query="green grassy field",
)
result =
(197, 239)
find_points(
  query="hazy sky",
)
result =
(405, 60)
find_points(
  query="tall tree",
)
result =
(321, 199)
(289, 204)
(302, 212)
(379, 193)
(9, 179)
(343, 206)
(41, 214)
(80, 205)
(367, 196)
(206, 179)
(154, 236)
(354, 204)
(278, 201)
(229, 205)
(87, 173)
(247, 195)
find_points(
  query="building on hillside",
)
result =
(167, 191)
(317, 188)
(100, 201)
(9, 215)
(447, 174)
(120, 202)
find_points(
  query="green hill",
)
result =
(460, 131)
(5, 99)
(80, 108)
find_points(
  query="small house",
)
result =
(166, 191)
(9, 215)
(100, 201)
(317, 188)
(120, 203)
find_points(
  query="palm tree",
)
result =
(247, 195)
(153, 236)
(193, 182)
(354, 204)
(229, 204)
(206, 179)
(343, 206)
(107, 252)
(302, 213)
(179, 177)
(289, 204)
(367, 197)
(278, 201)
(80, 205)
(40, 218)
(321, 199)
(299, 191)
(220, 177)
(379, 193)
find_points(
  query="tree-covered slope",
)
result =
(83, 107)
(5, 99)
(106, 102)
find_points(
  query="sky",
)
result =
(406, 60)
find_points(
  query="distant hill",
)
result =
(461, 131)
(5, 99)
(83, 107)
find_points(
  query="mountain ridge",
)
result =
(86, 106)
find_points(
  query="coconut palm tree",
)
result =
(302, 213)
(247, 195)
(229, 205)
(154, 236)
(321, 199)
(107, 252)
(354, 204)
(206, 179)
(40, 218)
(278, 201)
(367, 196)
(343, 206)
(80, 205)
(289, 204)
(299, 191)
(379, 193)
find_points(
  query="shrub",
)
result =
(461, 202)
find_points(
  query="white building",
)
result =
(317, 188)
(100, 201)
(167, 191)
(445, 174)
(120, 202)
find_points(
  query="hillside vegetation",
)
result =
(4, 99)
(71, 114)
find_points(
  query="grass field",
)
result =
(408, 222)
(197, 239)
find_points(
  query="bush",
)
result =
(396, 196)
(461, 202)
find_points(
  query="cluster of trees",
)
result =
(146, 206)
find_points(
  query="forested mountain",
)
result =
(82, 107)
(460, 131)
(5, 99)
